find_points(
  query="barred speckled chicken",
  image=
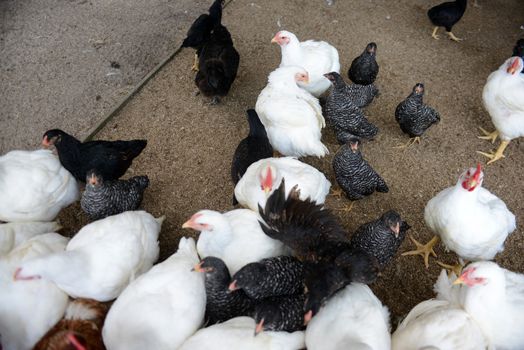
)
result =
(413, 116)
(359, 95)
(381, 237)
(354, 175)
(284, 313)
(346, 117)
(104, 198)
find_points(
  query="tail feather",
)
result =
(142, 181)
(215, 12)
(256, 128)
(135, 147)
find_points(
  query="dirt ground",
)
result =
(191, 142)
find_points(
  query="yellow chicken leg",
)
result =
(423, 250)
(453, 37)
(410, 143)
(456, 269)
(336, 193)
(434, 35)
(499, 154)
(195, 64)
(492, 136)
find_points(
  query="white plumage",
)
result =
(14, 233)
(353, 319)
(102, 258)
(237, 333)
(34, 186)
(469, 219)
(292, 116)
(264, 176)
(234, 236)
(317, 58)
(161, 308)
(494, 298)
(503, 99)
(29, 309)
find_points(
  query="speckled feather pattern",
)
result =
(113, 197)
(281, 275)
(414, 117)
(355, 176)
(282, 313)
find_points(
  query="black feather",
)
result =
(413, 116)
(200, 31)
(364, 68)
(284, 313)
(447, 14)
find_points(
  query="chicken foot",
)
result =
(195, 64)
(347, 208)
(410, 143)
(456, 269)
(434, 34)
(492, 136)
(453, 37)
(499, 154)
(336, 193)
(423, 250)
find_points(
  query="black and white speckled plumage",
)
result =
(284, 313)
(281, 275)
(344, 115)
(221, 303)
(254, 147)
(364, 68)
(381, 237)
(413, 116)
(356, 94)
(104, 198)
(354, 175)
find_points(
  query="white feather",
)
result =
(14, 233)
(161, 308)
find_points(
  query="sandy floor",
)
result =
(191, 143)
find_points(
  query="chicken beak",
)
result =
(514, 66)
(396, 229)
(307, 317)
(233, 286)
(198, 267)
(45, 142)
(306, 80)
(188, 224)
(260, 327)
(267, 189)
(274, 40)
(459, 280)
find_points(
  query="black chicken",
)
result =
(518, 50)
(218, 64)
(283, 313)
(221, 303)
(347, 118)
(354, 175)
(447, 15)
(381, 237)
(110, 158)
(200, 31)
(413, 116)
(281, 275)
(254, 147)
(104, 198)
(364, 68)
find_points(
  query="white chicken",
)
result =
(161, 308)
(470, 220)
(494, 298)
(235, 237)
(503, 99)
(264, 176)
(353, 319)
(317, 58)
(28, 310)
(102, 258)
(292, 116)
(34, 186)
(237, 333)
(14, 233)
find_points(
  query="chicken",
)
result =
(413, 116)
(34, 186)
(234, 236)
(282, 313)
(222, 303)
(254, 147)
(277, 276)
(381, 237)
(218, 62)
(161, 308)
(364, 68)
(80, 328)
(110, 158)
(346, 117)
(316, 57)
(237, 333)
(470, 220)
(358, 95)
(352, 319)
(15, 233)
(502, 97)
(494, 298)
(354, 175)
(447, 15)
(292, 116)
(104, 198)
(200, 31)
(264, 176)
(28, 310)
(101, 259)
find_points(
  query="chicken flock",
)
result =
(280, 272)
